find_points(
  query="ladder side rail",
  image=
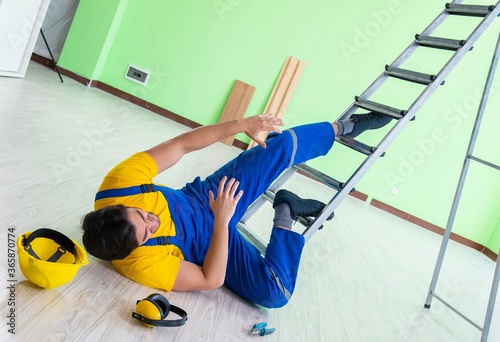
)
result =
(327, 211)
(254, 239)
(348, 112)
(463, 173)
(439, 20)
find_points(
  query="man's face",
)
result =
(145, 223)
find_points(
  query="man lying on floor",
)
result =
(186, 239)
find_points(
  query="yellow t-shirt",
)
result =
(153, 266)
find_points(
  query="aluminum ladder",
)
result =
(458, 48)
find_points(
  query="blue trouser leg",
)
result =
(248, 273)
(257, 168)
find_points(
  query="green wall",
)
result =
(91, 35)
(494, 241)
(195, 51)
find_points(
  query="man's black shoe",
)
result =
(364, 122)
(299, 207)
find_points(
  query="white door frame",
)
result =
(20, 22)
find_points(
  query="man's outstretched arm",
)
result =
(171, 151)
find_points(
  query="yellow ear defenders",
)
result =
(152, 311)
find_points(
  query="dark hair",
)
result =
(107, 233)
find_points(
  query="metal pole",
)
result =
(463, 174)
(491, 302)
(52, 57)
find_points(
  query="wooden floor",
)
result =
(364, 277)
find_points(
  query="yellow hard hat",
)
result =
(49, 258)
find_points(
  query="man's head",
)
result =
(107, 233)
(113, 232)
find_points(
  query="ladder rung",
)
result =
(320, 176)
(457, 312)
(469, 10)
(357, 145)
(269, 195)
(408, 75)
(439, 43)
(306, 222)
(484, 162)
(380, 108)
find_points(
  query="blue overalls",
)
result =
(268, 281)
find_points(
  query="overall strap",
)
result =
(157, 241)
(132, 190)
(136, 190)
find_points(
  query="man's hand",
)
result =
(225, 204)
(259, 123)
(171, 151)
(211, 275)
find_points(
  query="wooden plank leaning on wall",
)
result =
(283, 90)
(236, 105)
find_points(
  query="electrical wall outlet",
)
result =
(395, 191)
(137, 74)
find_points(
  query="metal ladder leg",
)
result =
(491, 302)
(463, 174)
(456, 200)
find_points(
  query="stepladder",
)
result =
(429, 83)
